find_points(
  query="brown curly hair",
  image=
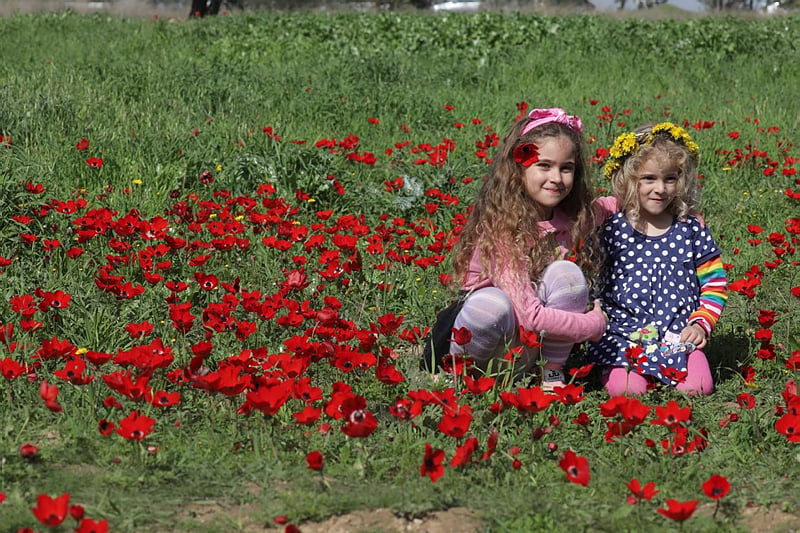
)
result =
(502, 223)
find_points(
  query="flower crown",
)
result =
(629, 143)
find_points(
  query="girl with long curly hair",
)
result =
(522, 254)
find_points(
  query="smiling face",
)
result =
(658, 185)
(550, 179)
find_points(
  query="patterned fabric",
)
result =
(651, 288)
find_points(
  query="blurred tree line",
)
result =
(213, 7)
(201, 8)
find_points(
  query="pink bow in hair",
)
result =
(538, 117)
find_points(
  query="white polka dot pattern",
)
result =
(649, 281)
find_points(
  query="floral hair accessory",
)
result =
(628, 144)
(538, 117)
(526, 154)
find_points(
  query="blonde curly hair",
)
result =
(502, 223)
(668, 143)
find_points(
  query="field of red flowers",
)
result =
(220, 308)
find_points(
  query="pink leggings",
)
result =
(489, 316)
(618, 381)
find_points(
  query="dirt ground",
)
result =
(756, 519)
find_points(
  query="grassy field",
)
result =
(224, 239)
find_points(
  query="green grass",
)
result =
(138, 90)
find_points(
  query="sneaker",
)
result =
(553, 377)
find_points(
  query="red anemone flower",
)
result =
(135, 426)
(88, 525)
(432, 463)
(716, 487)
(678, 511)
(94, 162)
(314, 460)
(645, 492)
(51, 511)
(576, 468)
(526, 154)
(359, 423)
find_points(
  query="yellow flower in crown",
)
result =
(628, 144)
(624, 145)
(677, 133)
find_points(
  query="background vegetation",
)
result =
(190, 114)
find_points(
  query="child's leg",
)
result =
(618, 381)
(698, 378)
(489, 316)
(563, 287)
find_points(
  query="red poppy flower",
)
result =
(789, 425)
(77, 511)
(672, 414)
(432, 463)
(314, 460)
(746, 400)
(455, 421)
(716, 487)
(529, 338)
(645, 492)
(51, 511)
(135, 426)
(88, 525)
(49, 393)
(359, 423)
(793, 363)
(491, 445)
(462, 336)
(28, 451)
(526, 154)
(464, 452)
(105, 427)
(82, 145)
(576, 468)
(678, 511)
(94, 162)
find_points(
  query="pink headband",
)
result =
(538, 117)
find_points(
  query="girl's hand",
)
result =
(598, 307)
(694, 334)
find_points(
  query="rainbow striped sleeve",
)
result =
(713, 294)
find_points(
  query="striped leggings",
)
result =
(489, 316)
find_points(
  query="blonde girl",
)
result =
(663, 286)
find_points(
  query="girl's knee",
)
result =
(563, 286)
(698, 380)
(618, 381)
(490, 306)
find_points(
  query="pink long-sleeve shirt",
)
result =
(529, 311)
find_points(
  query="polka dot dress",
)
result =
(649, 288)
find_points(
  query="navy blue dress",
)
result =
(649, 288)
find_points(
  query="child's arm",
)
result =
(603, 207)
(713, 295)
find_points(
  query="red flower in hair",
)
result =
(526, 154)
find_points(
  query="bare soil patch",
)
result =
(455, 520)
